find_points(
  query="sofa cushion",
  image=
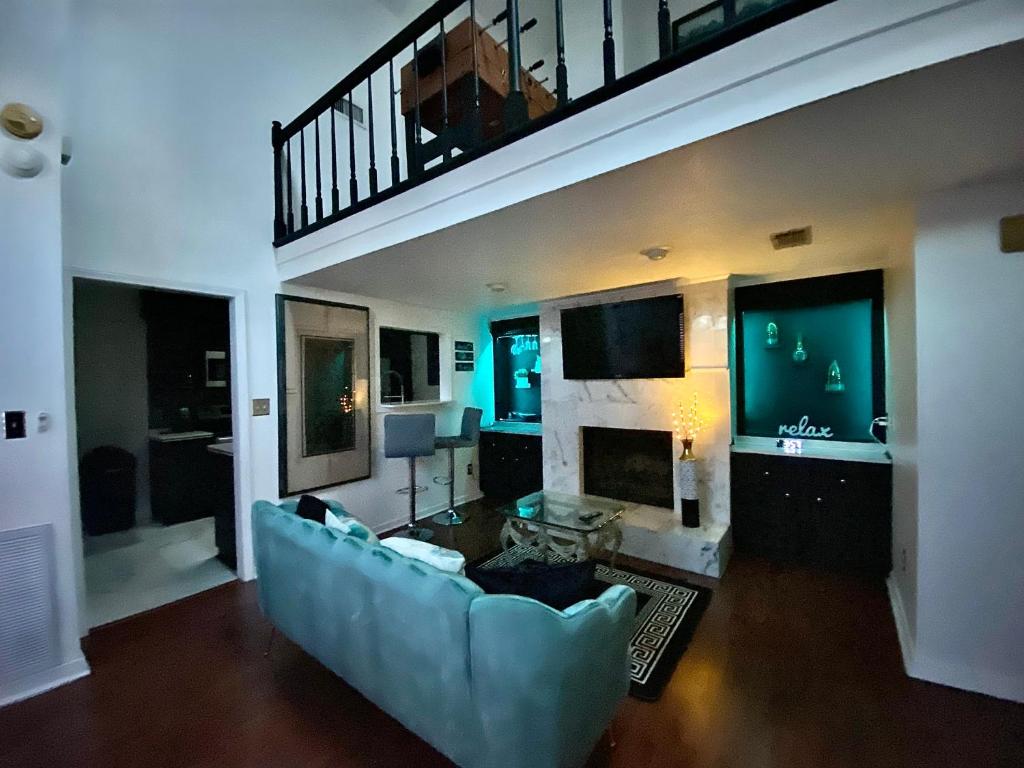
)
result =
(558, 585)
(351, 526)
(443, 559)
(311, 508)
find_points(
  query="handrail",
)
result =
(460, 126)
(416, 28)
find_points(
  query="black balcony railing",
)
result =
(453, 86)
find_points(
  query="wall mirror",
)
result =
(410, 366)
(323, 393)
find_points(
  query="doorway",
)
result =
(153, 403)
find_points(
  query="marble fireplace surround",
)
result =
(651, 533)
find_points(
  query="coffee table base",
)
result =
(567, 544)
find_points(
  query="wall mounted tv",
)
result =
(640, 339)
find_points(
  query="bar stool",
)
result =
(407, 436)
(467, 438)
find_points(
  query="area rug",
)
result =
(668, 612)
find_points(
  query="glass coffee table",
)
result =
(572, 527)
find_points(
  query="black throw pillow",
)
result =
(558, 585)
(312, 508)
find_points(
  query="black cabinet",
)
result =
(180, 480)
(831, 514)
(510, 465)
(223, 488)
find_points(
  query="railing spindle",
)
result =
(369, 136)
(335, 202)
(353, 184)
(444, 93)
(275, 142)
(477, 120)
(290, 222)
(395, 170)
(609, 45)
(303, 209)
(414, 161)
(316, 153)
(561, 71)
(516, 110)
(664, 29)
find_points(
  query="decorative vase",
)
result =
(771, 336)
(834, 379)
(689, 500)
(799, 354)
(687, 454)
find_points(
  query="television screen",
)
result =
(625, 340)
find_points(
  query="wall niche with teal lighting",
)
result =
(517, 369)
(831, 384)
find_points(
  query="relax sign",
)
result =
(805, 429)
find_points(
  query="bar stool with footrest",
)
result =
(407, 436)
(469, 437)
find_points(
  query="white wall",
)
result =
(901, 403)
(110, 357)
(171, 183)
(34, 473)
(970, 335)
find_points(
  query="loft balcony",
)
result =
(469, 77)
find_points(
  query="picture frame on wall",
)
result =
(323, 377)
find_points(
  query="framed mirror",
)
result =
(410, 366)
(323, 372)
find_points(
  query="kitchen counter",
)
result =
(515, 427)
(873, 453)
(173, 437)
(224, 448)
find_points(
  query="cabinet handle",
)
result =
(787, 495)
(818, 499)
(842, 481)
(767, 473)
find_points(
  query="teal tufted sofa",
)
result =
(491, 681)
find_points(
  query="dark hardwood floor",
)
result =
(789, 667)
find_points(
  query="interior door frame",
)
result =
(240, 424)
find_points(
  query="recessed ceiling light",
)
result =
(497, 287)
(657, 253)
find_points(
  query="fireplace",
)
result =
(628, 465)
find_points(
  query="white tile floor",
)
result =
(149, 566)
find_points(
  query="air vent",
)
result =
(791, 238)
(29, 642)
(346, 108)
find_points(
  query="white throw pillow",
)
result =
(350, 526)
(443, 559)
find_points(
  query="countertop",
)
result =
(173, 437)
(515, 427)
(222, 448)
(874, 453)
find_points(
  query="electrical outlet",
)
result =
(261, 406)
(469, 469)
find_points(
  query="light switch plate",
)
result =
(261, 406)
(14, 425)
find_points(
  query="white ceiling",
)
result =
(850, 166)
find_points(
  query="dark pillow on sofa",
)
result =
(558, 584)
(312, 508)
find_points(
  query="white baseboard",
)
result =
(44, 681)
(903, 631)
(423, 513)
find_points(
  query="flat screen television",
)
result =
(641, 339)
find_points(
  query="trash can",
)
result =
(107, 484)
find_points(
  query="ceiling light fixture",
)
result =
(657, 253)
(497, 287)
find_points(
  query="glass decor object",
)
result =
(834, 379)
(771, 336)
(537, 366)
(522, 377)
(799, 354)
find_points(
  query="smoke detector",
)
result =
(656, 253)
(791, 238)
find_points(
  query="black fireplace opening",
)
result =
(628, 465)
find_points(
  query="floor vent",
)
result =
(29, 641)
(791, 238)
